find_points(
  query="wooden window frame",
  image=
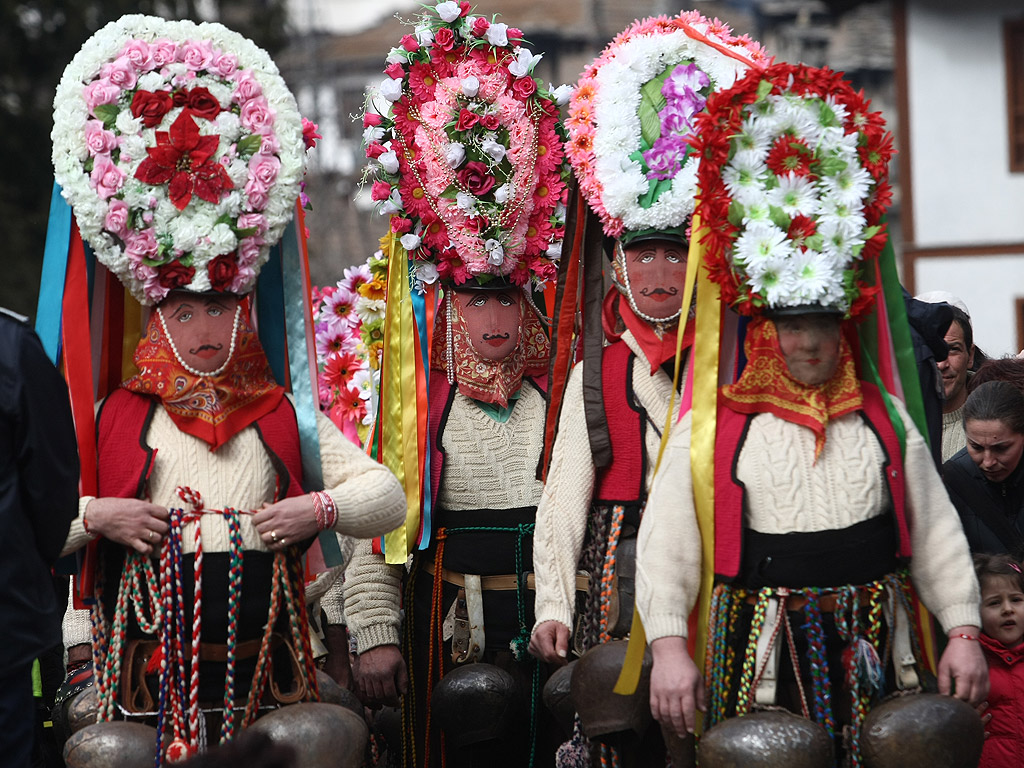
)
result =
(1013, 51)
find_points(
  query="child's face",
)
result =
(1002, 610)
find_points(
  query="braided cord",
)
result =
(227, 726)
(819, 662)
(745, 694)
(608, 572)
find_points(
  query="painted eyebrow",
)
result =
(184, 305)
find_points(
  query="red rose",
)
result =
(464, 7)
(151, 107)
(476, 224)
(480, 26)
(202, 103)
(175, 275)
(514, 35)
(523, 88)
(444, 39)
(410, 43)
(222, 271)
(394, 71)
(375, 150)
(380, 190)
(466, 120)
(490, 121)
(400, 226)
(475, 179)
(180, 98)
(371, 119)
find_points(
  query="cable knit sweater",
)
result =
(565, 505)
(369, 499)
(488, 465)
(953, 435)
(788, 492)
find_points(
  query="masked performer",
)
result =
(181, 150)
(616, 402)
(468, 161)
(826, 502)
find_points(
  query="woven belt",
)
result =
(501, 583)
(827, 603)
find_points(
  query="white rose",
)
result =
(392, 205)
(426, 273)
(397, 56)
(494, 149)
(372, 133)
(497, 35)
(389, 161)
(470, 86)
(502, 193)
(133, 147)
(230, 204)
(391, 89)
(524, 63)
(561, 94)
(495, 253)
(185, 233)
(150, 81)
(448, 11)
(455, 153)
(424, 35)
(465, 201)
(126, 124)
(410, 241)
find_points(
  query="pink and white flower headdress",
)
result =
(632, 113)
(466, 151)
(181, 150)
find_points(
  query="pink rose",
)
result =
(375, 150)
(309, 134)
(444, 39)
(246, 87)
(243, 277)
(464, 7)
(116, 220)
(394, 71)
(224, 64)
(480, 26)
(121, 73)
(140, 245)
(137, 52)
(164, 52)
(410, 43)
(269, 144)
(197, 54)
(255, 221)
(524, 87)
(106, 178)
(249, 251)
(256, 194)
(98, 139)
(514, 35)
(400, 226)
(265, 168)
(257, 115)
(380, 190)
(490, 121)
(99, 92)
(371, 119)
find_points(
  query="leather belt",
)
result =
(826, 603)
(500, 583)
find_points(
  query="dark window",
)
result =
(1014, 39)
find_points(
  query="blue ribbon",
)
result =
(270, 313)
(419, 313)
(55, 266)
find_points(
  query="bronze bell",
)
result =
(127, 745)
(775, 739)
(602, 711)
(922, 730)
(322, 735)
(475, 703)
(558, 699)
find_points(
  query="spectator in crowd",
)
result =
(1009, 369)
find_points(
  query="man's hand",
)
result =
(962, 669)
(677, 686)
(337, 665)
(132, 522)
(286, 522)
(550, 642)
(381, 676)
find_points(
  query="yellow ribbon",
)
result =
(130, 335)
(399, 444)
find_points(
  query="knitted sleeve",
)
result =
(668, 554)
(940, 567)
(372, 598)
(368, 497)
(562, 513)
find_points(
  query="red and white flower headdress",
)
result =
(181, 149)
(794, 183)
(633, 110)
(468, 156)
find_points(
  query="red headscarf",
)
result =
(617, 316)
(212, 408)
(767, 386)
(491, 381)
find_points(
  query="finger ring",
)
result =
(284, 541)
(149, 535)
(273, 536)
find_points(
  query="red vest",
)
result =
(623, 480)
(729, 492)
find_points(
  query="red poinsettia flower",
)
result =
(183, 157)
(790, 155)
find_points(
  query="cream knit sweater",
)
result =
(488, 465)
(788, 492)
(953, 435)
(368, 497)
(565, 505)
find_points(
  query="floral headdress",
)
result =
(468, 160)
(793, 174)
(181, 150)
(633, 109)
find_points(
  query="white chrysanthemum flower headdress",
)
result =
(181, 150)
(632, 113)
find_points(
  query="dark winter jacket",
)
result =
(992, 513)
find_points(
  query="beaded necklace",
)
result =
(186, 366)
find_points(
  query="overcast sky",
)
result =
(346, 15)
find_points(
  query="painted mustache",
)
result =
(212, 347)
(490, 336)
(673, 291)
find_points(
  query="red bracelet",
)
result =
(964, 637)
(85, 527)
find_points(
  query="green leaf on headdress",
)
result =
(827, 116)
(449, 193)
(779, 217)
(651, 103)
(763, 89)
(736, 214)
(107, 113)
(249, 146)
(815, 242)
(831, 166)
(871, 232)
